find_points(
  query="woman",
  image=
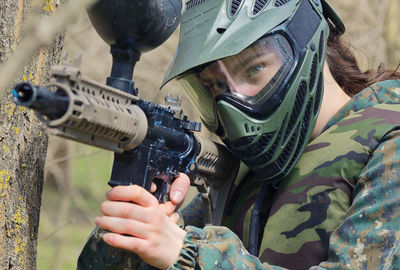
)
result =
(319, 140)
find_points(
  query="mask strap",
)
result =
(336, 24)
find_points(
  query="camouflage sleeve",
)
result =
(369, 236)
(215, 247)
(192, 214)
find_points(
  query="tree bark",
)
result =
(23, 141)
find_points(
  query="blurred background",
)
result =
(76, 175)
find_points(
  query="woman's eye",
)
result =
(254, 70)
(219, 88)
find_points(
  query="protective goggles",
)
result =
(249, 80)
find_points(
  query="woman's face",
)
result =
(248, 78)
(243, 74)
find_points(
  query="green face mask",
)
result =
(253, 69)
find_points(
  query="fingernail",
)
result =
(97, 220)
(177, 196)
(108, 238)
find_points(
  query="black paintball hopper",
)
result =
(140, 25)
(132, 27)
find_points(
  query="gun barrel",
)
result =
(86, 112)
(51, 104)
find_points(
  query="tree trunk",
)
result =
(23, 142)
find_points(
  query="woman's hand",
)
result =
(177, 194)
(138, 223)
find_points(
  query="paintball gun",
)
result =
(151, 143)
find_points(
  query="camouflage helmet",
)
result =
(268, 129)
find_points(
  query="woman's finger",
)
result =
(175, 217)
(179, 188)
(126, 210)
(168, 208)
(133, 193)
(123, 226)
(136, 245)
(153, 187)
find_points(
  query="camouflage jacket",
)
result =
(339, 208)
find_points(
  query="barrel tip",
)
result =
(14, 93)
(23, 93)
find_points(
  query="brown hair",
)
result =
(344, 68)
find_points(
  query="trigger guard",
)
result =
(162, 192)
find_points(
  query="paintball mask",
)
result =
(253, 70)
